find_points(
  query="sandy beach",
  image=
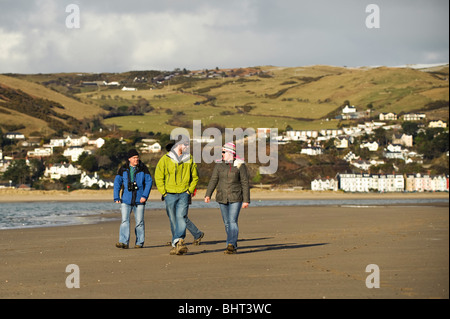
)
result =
(318, 252)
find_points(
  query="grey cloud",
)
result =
(142, 34)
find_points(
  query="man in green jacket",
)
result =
(176, 178)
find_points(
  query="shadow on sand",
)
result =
(242, 248)
(252, 248)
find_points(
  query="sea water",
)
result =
(45, 214)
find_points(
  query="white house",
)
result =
(437, 123)
(414, 117)
(391, 183)
(366, 182)
(80, 141)
(89, 181)
(14, 136)
(371, 146)
(439, 183)
(128, 89)
(40, 152)
(57, 171)
(153, 148)
(75, 152)
(312, 151)
(331, 132)
(388, 116)
(324, 184)
(354, 182)
(57, 142)
(301, 135)
(341, 142)
(97, 143)
(403, 139)
(349, 109)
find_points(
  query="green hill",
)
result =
(35, 108)
(302, 97)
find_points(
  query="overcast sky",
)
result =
(119, 35)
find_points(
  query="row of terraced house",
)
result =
(361, 183)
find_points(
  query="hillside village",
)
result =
(370, 150)
(314, 143)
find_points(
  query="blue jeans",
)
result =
(177, 206)
(124, 235)
(230, 215)
(193, 229)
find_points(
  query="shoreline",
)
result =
(16, 195)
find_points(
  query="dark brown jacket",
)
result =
(231, 182)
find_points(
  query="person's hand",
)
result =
(245, 205)
(143, 200)
(207, 199)
(118, 201)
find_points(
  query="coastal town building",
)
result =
(438, 123)
(312, 150)
(91, 180)
(74, 152)
(371, 182)
(324, 184)
(150, 148)
(14, 136)
(56, 171)
(371, 146)
(40, 152)
(128, 89)
(402, 139)
(414, 117)
(383, 183)
(387, 116)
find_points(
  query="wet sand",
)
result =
(284, 253)
(16, 195)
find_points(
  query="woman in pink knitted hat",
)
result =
(231, 180)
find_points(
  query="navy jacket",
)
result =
(143, 181)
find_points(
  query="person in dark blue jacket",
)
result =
(136, 182)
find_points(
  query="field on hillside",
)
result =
(302, 97)
(32, 124)
(72, 107)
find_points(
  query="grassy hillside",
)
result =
(302, 97)
(72, 107)
(67, 107)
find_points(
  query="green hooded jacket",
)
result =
(176, 175)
